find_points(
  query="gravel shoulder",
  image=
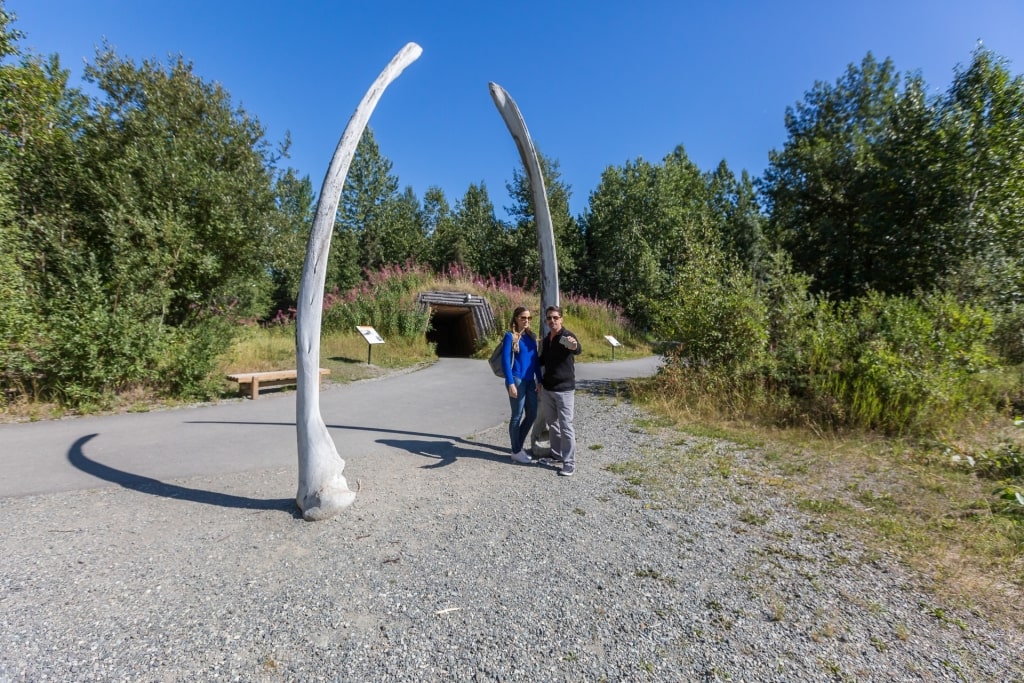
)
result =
(456, 564)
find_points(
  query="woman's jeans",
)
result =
(525, 402)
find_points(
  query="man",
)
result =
(558, 395)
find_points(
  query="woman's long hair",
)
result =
(512, 328)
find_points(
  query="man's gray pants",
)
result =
(558, 407)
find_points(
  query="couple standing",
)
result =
(549, 372)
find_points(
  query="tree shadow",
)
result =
(154, 487)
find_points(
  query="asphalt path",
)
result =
(450, 400)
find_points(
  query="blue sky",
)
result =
(599, 83)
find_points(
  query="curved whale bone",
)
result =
(542, 215)
(323, 491)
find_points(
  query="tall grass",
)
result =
(386, 300)
(588, 318)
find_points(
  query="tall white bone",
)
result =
(542, 215)
(323, 491)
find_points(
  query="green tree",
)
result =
(40, 119)
(446, 245)
(371, 205)
(817, 184)
(289, 233)
(394, 234)
(735, 209)
(154, 224)
(983, 117)
(622, 259)
(9, 36)
(181, 189)
(909, 202)
(523, 256)
(641, 225)
(881, 187)
(478, 232)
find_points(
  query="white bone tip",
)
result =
(413, 49)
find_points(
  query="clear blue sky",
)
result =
(599, 82)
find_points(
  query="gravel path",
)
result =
(455, 564)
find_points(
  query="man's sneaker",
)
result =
(567, 470)
(550, 460)
(522, 458)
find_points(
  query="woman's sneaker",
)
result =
(522, 458)
(567, 470)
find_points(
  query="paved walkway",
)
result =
(454, 398)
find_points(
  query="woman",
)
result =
(522, 378)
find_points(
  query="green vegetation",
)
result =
(857, 313)
(387, 301)
(951, 506)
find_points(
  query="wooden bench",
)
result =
(251, 382)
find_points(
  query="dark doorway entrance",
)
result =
(460, 323)
(451, 329)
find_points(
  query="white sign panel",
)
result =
(370, 334)
(612, 340)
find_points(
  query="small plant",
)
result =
(832, 667)
(630, 492)
(754, 518)
(723, 467)
(655, 574)
(617, 467)
(1002, 462)
(826, 630)
(821, 506)
(941, 615)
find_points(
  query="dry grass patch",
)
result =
(896, 497)
(347, 356)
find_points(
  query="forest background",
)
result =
(871, 277)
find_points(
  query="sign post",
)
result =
(371, 337)
(614, 342)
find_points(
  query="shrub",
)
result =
(19, 327)
(385, 300)
(94, 348)
(898, 365)
(717, 316)
(193, 350)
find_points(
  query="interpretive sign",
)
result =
(614, 342)
(372, 337)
